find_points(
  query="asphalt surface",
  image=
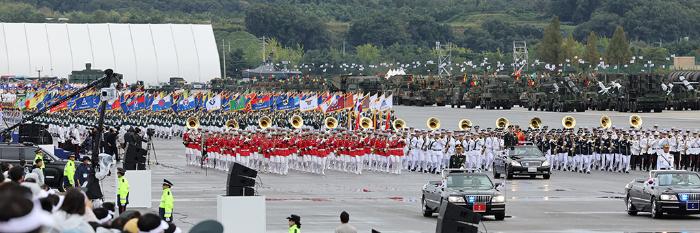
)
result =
(568, 202)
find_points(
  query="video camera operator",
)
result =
(135, 157)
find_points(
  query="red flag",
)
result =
(116, 104)
(388, 121)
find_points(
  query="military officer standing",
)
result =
(458, 160)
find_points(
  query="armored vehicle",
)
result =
(682, 90)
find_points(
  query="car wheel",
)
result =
(426, 211)
(546, 177)
(655, 213)
(631, 210)
(500, 216)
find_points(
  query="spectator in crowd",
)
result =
(206, 226)
(19, 214)
(38, 164)
(70, 216)
(5, 168)
(345, 227)
(16, 174)
(152, 223)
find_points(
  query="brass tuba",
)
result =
(232, 124)
(192, 122)
(502, 123)
(398, 124)
(265, 122)
(535, 123)
(636, 121)
(568, 122)
(433, 123)
(296, 121)
(366, 123)
(465, 124)
(330, 122)
(605, 122)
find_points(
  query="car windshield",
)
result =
(479, 182)
(526, 151)
(678, 179)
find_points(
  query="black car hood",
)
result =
(679, 190)
(454, 192)
(526, 159)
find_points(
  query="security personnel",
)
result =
(458, 160)
(69, 172)
(39, 155)
(294, 223)
(165, 209)
(122, 190)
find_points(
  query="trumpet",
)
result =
(232, 124)
(265, 122)
(192, 122)
(331, 122)
(502, 123)
(605, 122)
(398, 124)
(366, 123)
(636, 121)
(296, 121)
(535, 123)
(568, 122)
(465, 124)
(433, 123)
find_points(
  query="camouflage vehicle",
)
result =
(607, 89)
(435, 90)
(682, 90)
(639, 92)
(348, 83)
(408, 90)
(557, 94)
(465, 92)
(500, 91)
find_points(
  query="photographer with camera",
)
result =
(135, 157)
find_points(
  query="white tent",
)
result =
(141, 52)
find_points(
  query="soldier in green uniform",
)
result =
(458, 160)
(165, 209)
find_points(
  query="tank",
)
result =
(499, 91)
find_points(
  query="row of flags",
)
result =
(209, 101)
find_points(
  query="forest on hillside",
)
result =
(405, 31)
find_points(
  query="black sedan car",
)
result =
(523, 160)
(474, 191)
(664, 191)
(53, 171)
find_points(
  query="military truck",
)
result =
(640, 92)
(408, 90)
(556, 94)
(682, 90)
(350, 83)
(435, 90)
(499, 91)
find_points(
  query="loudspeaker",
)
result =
(457, 219)
(240, 181)
(450, 226)
(238, 169)
(240, 191)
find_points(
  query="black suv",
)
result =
(53, 171)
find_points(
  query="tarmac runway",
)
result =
(568, 202)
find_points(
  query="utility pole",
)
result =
(223, 53)
(444, 60)
(520, 54)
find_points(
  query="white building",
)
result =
(141, 52)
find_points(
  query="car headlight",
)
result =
(545, 163)
(668, 197)
(515, 163)
(498, 198)
(456, 199)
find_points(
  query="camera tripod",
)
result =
(149, 148)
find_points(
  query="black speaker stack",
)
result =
(241, 181)
(34, 133)
(457, 219)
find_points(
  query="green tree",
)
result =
(618, 52)
(570, 48)
(380, 29)
(367, 53)
(288, 24)
(591, 55)
(235, 62)
(549, 48)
